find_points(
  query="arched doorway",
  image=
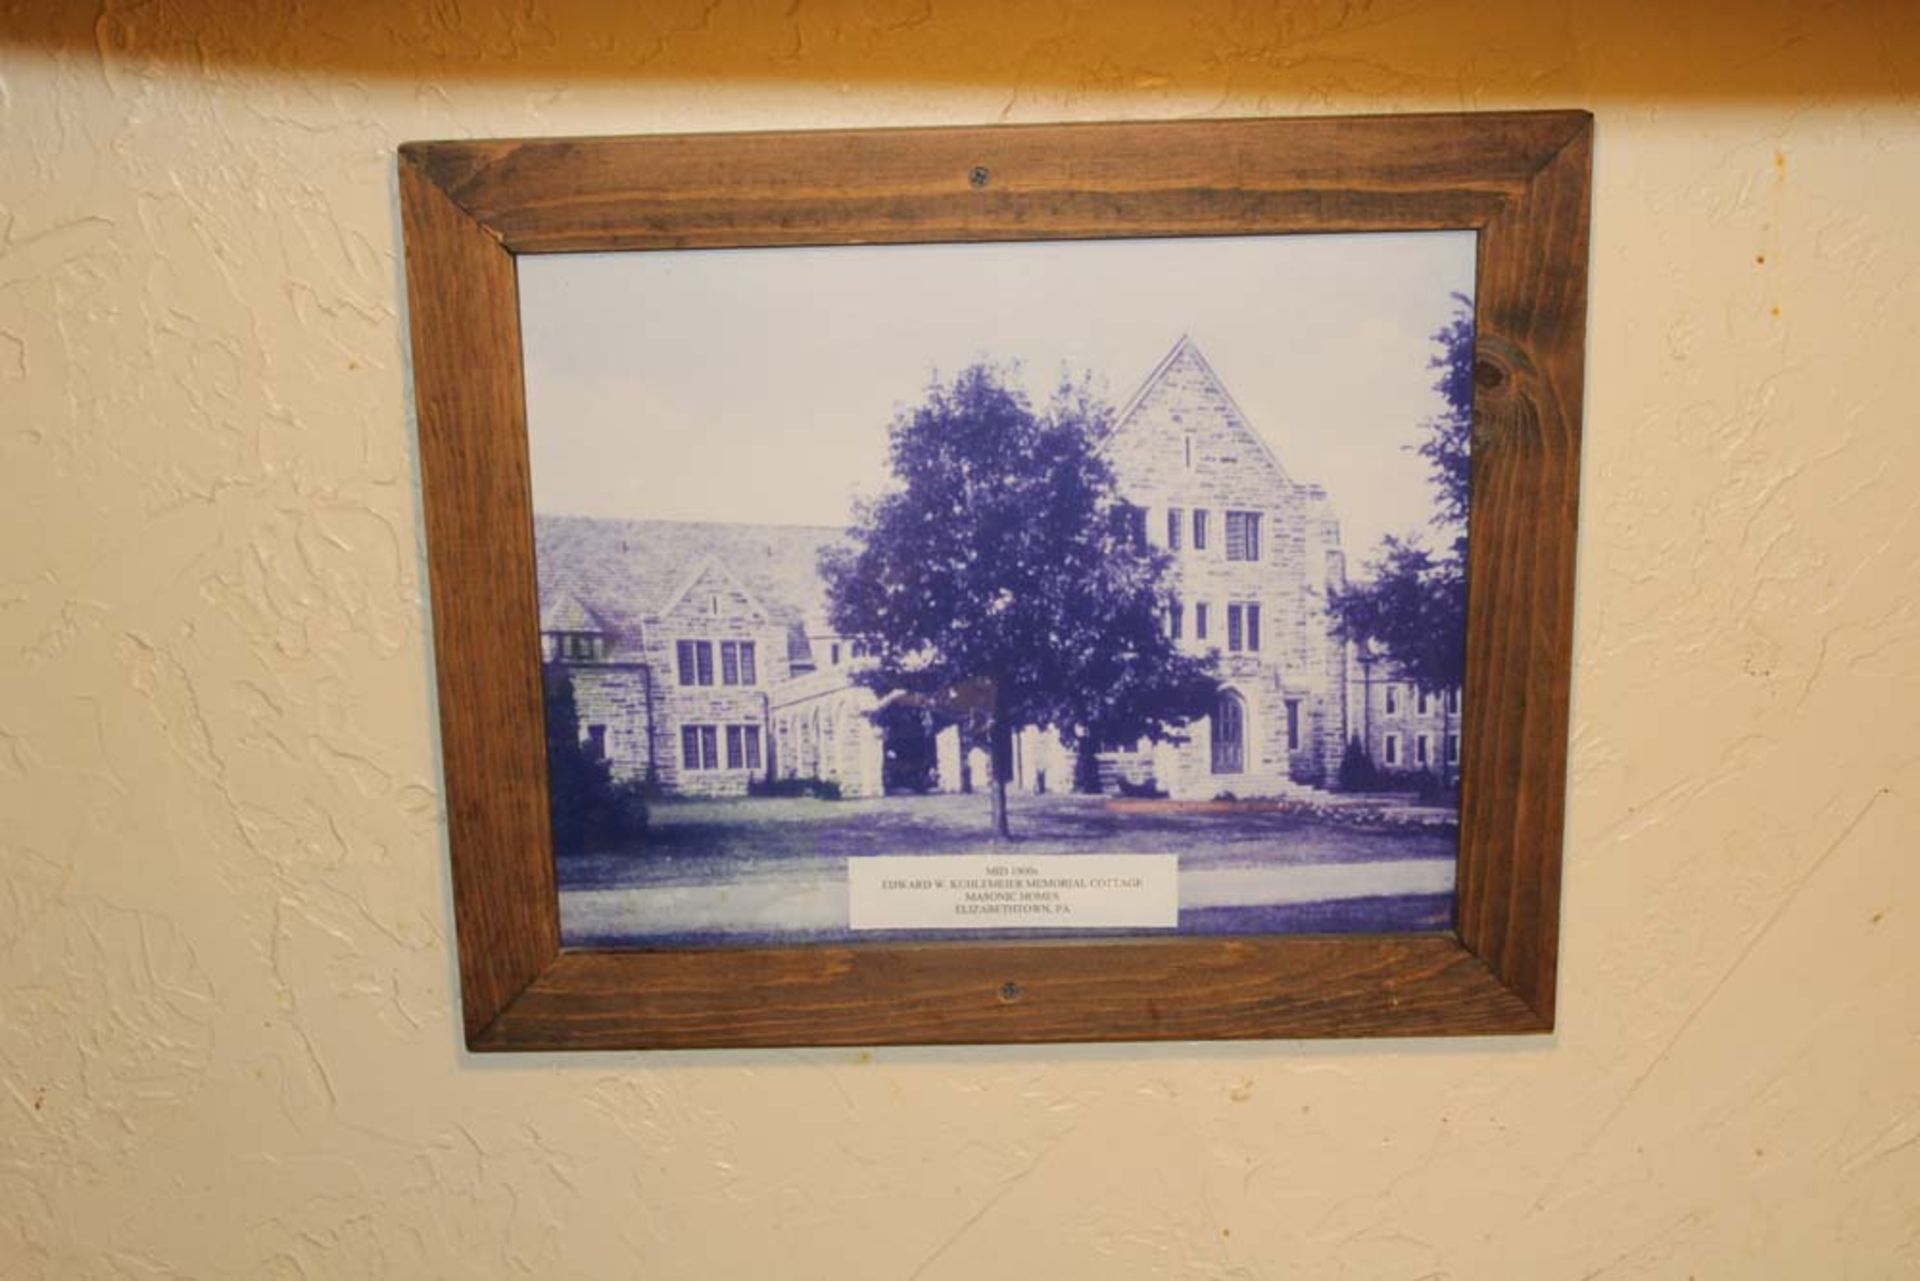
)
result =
(1229, 733)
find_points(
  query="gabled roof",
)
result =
(1186, 354)
(624, 571)
(710, 564)
(564, 612)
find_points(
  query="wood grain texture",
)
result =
(1520, 179)
(1174, 989)
(463, 297)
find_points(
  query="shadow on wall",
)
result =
(1399, 53)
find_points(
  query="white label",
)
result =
(994, 891)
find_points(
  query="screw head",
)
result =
(978, 176)
(1009, 991)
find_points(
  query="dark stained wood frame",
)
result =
(470, 208)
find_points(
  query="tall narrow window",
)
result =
(1393, 699)
(1199, 620)
(736, 663)
(683, 653)
(690, 747)
(1420, 749)
(736, 747)
(1392, 753)
(709, 747)
(1421, 702)
(753, 746)
(1293, 725)
(1189, 442)
(703, 652)
(1199, 529)
(1176, 618)
(1453, 749)
(1234, 634)
(1175, 519)
(1453, 700)
(597, 742)
(1243, 535)
(1229, 734)
(834, 650)
(1253, 628)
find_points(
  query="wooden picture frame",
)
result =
(470, 208)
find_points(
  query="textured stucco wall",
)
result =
(227, 1045)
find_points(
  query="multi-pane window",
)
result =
(1175, 519)
(699, 747)
(1199, 529)
(1293, 725)
(579, 646)
(1243, 627)
(1243, 535)
(695, 661)
(1199, 620)
(1391, 754)
(736, 663)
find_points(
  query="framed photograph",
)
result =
(1091, 582)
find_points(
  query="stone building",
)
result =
(702, 658)
(700, 653)
(1255, 552)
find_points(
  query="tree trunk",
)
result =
(1086, 766)
(1001, 750)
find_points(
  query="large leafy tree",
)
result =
(1001, 582)
(1413, 603)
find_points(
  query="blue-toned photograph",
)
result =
(1002, 591)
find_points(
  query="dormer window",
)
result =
(576, 647)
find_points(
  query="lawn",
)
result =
(707, 841)
(773, 871)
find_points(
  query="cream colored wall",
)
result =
(226, 1034)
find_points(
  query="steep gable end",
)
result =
(707, 585)
(1183, 419)
(567, 613)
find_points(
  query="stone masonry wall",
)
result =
(714, 609)
(1185, 447)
